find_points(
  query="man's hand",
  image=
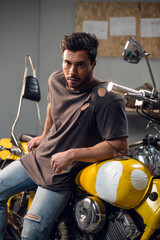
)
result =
(34, 143)
(61, 160)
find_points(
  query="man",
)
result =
(84, 124)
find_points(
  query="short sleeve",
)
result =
(111, 120)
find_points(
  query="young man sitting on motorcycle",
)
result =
(84, 124)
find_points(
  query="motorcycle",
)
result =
(115, 199)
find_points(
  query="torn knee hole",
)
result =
(33, 217)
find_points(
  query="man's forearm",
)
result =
(101, 151)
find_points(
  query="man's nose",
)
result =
(72, 70)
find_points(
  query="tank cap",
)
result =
(153, 196)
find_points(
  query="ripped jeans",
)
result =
(46, 206)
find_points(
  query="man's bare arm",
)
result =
(48, 123)
(100, 151)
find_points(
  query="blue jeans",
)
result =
(45, 208)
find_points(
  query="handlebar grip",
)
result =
(113, 87)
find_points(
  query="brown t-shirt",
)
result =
(79, 120)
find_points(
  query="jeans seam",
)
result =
(5, 191)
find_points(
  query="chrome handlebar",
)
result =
(140, 95)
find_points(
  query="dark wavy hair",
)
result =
(81, 41)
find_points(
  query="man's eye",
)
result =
(80, 64)
(67, 64)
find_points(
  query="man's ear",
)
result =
(94, 64)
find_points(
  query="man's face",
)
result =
(78, 70)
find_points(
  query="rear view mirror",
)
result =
(133, 51)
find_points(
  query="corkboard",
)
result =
(102, 11)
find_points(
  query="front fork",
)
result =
(149, 210)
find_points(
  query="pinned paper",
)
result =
(150, 27)
(122, 26)
(99, 28)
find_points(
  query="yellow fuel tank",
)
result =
(121, 182)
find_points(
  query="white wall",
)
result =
(37, 28)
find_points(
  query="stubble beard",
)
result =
(83, 85)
